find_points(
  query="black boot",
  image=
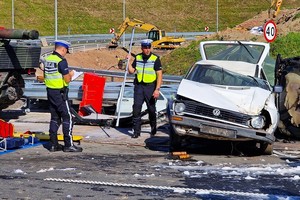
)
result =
(72, 149)
(153, 131)
(56, 147)
(135, 135)
(153, 126)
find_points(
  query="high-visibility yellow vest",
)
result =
(53, 79)
(145, 70)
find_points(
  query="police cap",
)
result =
(146, 43)
(63, 43)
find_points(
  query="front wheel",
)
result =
(266, 148)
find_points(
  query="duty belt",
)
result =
(142, 83)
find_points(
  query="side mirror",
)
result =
(277, 89)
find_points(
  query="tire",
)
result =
(175, 142)
(266, 148)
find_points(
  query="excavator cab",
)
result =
(156, 35)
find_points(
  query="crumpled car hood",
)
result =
(247, 100)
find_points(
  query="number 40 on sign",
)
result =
(270, 31)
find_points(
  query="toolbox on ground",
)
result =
(12, 143)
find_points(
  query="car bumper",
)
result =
(188, 126)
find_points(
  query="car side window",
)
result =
(269, 67)
(128, 94)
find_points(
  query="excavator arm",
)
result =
(275, 5)
(132, 23)
(160, 40)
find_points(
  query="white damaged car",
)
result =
(227, 96)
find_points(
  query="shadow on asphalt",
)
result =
(7, 115)
(201, 146)
(33, 106)
(226, 148)
(158, 143)
(204, 147)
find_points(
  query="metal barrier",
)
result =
(36, 90)
(105, 38)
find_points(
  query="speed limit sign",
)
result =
(270, 31)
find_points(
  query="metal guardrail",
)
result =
(98, 41)
(37, 90)
(83, 47)
(117, 74)
(105, 38)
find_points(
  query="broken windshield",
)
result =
(234, 52)
(211, 74)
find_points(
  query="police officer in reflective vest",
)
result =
(148, 80)
(57, 77)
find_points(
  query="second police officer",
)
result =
(147, 83)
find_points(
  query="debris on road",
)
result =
(181, 155)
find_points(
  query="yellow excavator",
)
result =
(160, 40)
(275, 7)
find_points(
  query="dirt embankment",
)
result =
(286, 22)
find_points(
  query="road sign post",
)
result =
(124, 81)
(270, 31)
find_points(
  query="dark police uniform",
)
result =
(145, 84)
(57, 92)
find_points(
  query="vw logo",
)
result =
(216, 112)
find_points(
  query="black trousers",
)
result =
(143, 93)
(60, 113)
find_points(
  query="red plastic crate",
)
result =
(93, 90)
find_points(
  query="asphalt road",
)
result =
(115, 166)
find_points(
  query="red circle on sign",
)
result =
(270, 31)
